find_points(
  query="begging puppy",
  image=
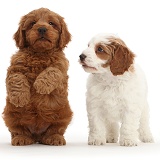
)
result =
(116, 93)
(37, 107)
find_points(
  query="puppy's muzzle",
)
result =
(42, 30)
(82, 57)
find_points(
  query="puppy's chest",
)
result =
(109, 98)
(110, 94)
(110, 88)
(35, 66)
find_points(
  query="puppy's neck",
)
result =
(32, 51)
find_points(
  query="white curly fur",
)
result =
(117, 105)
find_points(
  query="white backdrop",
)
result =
(135, 21)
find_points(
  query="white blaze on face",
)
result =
(92, 62)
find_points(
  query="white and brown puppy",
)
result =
(116, 93)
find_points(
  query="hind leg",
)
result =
(144, 129)
(20, 135)
(54, 135)
(129, 127)
(21, 139)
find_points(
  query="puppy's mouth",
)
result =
(43, 39)
(85, 66)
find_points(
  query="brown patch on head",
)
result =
(104, 52)
(122, 57)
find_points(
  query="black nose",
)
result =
(82, 57)
(42, 30)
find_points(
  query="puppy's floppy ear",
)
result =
(19, 36)
(122, 60)
(65, 36)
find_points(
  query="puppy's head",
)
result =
(106, 51)
(42, 30)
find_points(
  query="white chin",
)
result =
(89, 69)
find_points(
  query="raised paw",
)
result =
(56, 140)
(47, 80)
(18, 89)
(19, 99)
(43, 87)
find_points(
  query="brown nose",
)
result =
(42, 30)
(82, 57)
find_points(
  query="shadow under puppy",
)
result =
(37, 107)
(116, 93)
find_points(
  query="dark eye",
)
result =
(100, 49)
(33, 23)
(51, 23)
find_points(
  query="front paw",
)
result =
(18, 89)
(96, 141)
(19, 99)
(43, 87)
